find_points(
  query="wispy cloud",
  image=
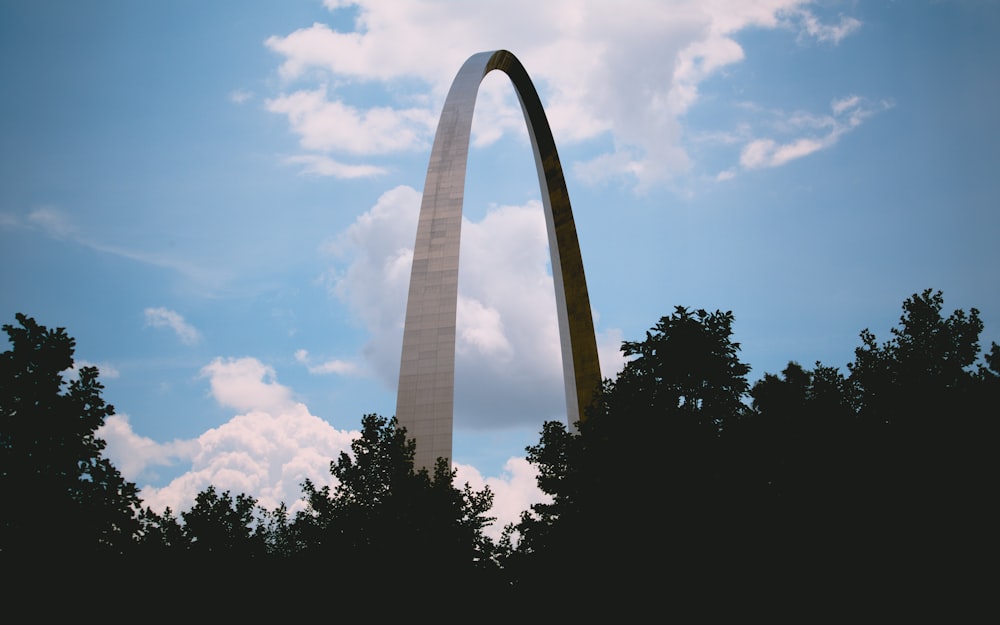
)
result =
(336, 366)
(56, 224)
(820, 133)
(165, 318)
(813, 27)
(52, 222)
(320, 165)
(107, 371)
(240, 96)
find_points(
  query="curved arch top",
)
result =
(425, 397)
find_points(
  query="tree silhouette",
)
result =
(62, 498)
(222, 525)
(682, 476)
(932, 411)
(640, 485)
(383, 517)
(812, 481)
(883, 472)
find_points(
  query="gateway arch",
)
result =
(426, 393)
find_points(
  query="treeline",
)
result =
(684, 480)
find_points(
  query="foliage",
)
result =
(61, 496)
(644, 470)
(681, 467)
(885, 471)
(688, 368)
(385, 514)
(223, 525)
(161, 534)
(902, 425)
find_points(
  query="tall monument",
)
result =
(426, 394)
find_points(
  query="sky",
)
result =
(218, 200)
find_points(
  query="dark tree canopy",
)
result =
(683, 482)
(641, 482)
(812, 477)
(385, 514)
(224, 526)
(61, 496)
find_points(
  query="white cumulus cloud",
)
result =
(268, 450)
(138, 456)
(508, 356)
(246, 384)
(514, 491)
(632, 69)
(325, 124)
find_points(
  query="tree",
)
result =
(932, 405)
(923, 369)
(877, 479)
(161, 535)
(641, 482)
(61, 497)
(794, 446)
(885, 470)
(666, 411)
(384, 518)
(687, 370)
(224, 526)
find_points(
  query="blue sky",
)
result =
(218, 201)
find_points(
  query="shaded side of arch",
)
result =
(426, 392)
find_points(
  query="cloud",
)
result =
(768, 153)
(340, 367)
(628, 71)
(239, 96)
(508, 356)
(266, 451)
(609, 350)
(727, 174)
(165, 318)
(246, 384)
(846, 114)
(811, 26)
(839, 107)
(324, 124)
(53, 222)
(319, 165)
(56, 224)
(106, 370)
(480, 331)
(372, 274)
(136, 456)
(514, 491)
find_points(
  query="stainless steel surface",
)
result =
(425, 399)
